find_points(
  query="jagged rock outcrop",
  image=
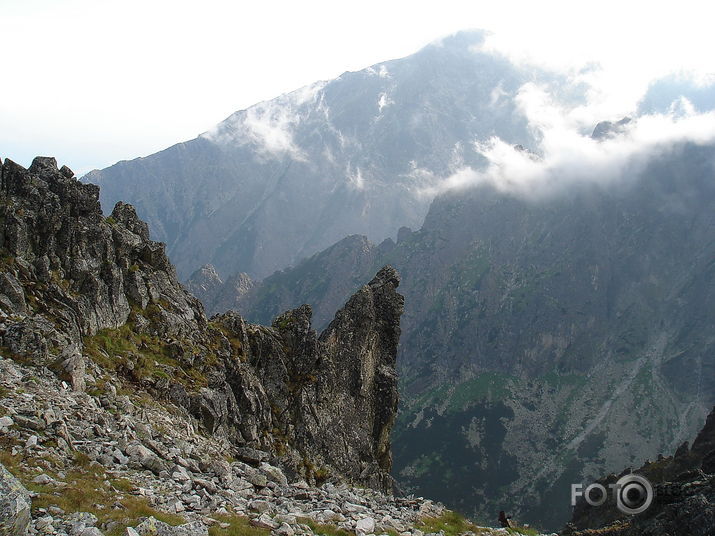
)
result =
(683, 502)
(351, 258)
(95, 299)
(204, 283)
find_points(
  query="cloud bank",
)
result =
(567, 153)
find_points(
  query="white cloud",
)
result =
(568, 154)
(270, 125)
(495, 97)
(383, 101)
(180, 76)
(355, 178)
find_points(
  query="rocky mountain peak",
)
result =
(98, 302)
(608, 129)
(284, 179)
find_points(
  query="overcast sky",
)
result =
(93, 82)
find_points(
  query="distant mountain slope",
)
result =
(286, 178)
(544, 342)
(683, 502)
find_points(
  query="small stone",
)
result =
(264, 522)
(6, 422)
(285, 518)
(120, 457)
(284, 530)
(366, 525)
(259, 506)
(154, 464)
(274, 474)
(250, 455)
(154, 527)
(31, 442)
(43, 523)
(256, 478)
(42, 479)
(205, 484)
(91, 531)
(180, 475)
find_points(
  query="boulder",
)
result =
(14, 505)
(153, 527)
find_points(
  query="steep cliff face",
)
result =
(95, 300)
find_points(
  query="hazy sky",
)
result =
(93, 81)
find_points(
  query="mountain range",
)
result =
(548, 337)
(288, 177)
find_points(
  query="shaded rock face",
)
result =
(63, 258)
(14, 505)
(684, 496)
(80, 290)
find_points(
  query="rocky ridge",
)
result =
(78, 288)
(216, 294)
(123, 409)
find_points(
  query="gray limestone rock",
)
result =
(154, 527)
(14, 505)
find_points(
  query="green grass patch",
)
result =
(488, 385)
(122, 484)
(83, 488)
(558, 380)
(140, 356)
(238, 526)
(451, 523)
(320, 529)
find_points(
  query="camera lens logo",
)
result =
(634, 494)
